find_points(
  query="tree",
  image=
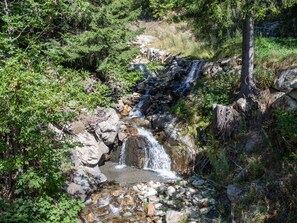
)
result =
(219, 20)
(253, 9)
(51, 51)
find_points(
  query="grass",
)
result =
(176, 38)
(268, 51)
(271, 56)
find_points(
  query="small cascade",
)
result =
(191, 77)
(123, 156)
(136, 111)
(155, 156)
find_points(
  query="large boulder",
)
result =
(136, 147)
(108, 130)
(183, 160)
(89, 152)
(84, 181)
(286, 80)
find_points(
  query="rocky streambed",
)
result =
(191, 200)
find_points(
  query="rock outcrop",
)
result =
(286, 83)
(93, 133)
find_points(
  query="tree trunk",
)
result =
(248, 86)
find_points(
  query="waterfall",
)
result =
(136, 111)
(191, 77)
(156, 158)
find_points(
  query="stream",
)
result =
(142, 187)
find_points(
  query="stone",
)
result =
(294, 85)
(204, 211)
(136, 97)
(90, 152)
(135, 151)
(286, 80)
(182, 160)
(198, 183)
(174, 216)
(154, 199)
(77, 127)
(226, 61)
(171, 191)
(151, 192)
(192, 190)
(150, 210)
(285, 103)
(233, 193)
(123, 133)
(117, 193)
(159, 213)
(158, 206)
(108, 130)
(274, 96)
(90, 217)
(76, 190)
(94, 174)
(139, 122)
(127, 214)
(293, 94)
(242, 104)
(126, 110)
(120, 106)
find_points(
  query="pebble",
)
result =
(185, 198)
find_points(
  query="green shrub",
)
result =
(43, 209)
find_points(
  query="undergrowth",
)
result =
(177, 38)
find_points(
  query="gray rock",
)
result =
(285, 103)
(293, 94)
(171, 191)
(136, 147)
(204, 211)
(76, 190)
(198, 183)
(108, 130)
(274, 96)
(234, 193)
(294, 85)
(90, 152)
(174, 216)
(286, 80)
(242, 104)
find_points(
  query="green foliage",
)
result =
(271, 55)
(286, 128)
(208, 91)
(218, 21)
(42, 209)
(156, 9)
(160, 8)
(56, 57)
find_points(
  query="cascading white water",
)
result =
(136, 111)
(192, 76)
(156, 158)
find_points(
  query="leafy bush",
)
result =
(42, 209)
(160, 8)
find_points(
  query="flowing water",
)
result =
(117, 202)
(191, 77)
(156, 158)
